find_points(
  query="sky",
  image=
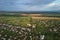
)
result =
(29, 5)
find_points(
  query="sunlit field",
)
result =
(30, 27)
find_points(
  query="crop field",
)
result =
(29, 27)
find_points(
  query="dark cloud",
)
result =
(18, 5)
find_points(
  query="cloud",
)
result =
(29, 5)
(53, 6)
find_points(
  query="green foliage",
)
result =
(45, 27)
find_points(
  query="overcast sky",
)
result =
(29, 5)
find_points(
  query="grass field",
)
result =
(29, 26)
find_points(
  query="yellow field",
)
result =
(57, 18)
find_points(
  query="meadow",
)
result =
(29, 27)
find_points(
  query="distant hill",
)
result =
(50, 14)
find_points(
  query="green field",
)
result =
(32, 26)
